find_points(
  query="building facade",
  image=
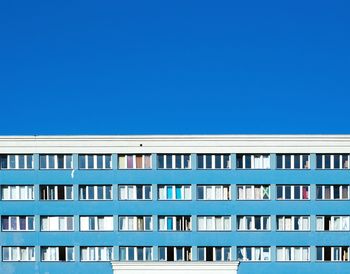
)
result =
(80, 204)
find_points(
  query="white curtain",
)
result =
(257, 255)
(219, 223)
(123, 193)
(227, 223)
(187, 190)
(162, 224)
(280, 255)
(162, 193)
(108, 223)
(319, 223)
(84, 223)
(6, 193)
(266, 164)
(201, 223)
(241, 193)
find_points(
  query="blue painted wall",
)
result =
(154, 207)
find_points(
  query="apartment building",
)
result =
(242, 204)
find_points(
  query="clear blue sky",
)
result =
(144, 67)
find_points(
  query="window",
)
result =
(332, 253)
(19, 161)
(332, 223)
(96, 253)
(57, 253)
(332, 161)
(332, 192)
(135, 161)
(175, 223)
(258, 223)
(56, 192)
(213, 161)
(135, 253)
(135, 192)
(96, 223)
(293, 253)
(293, 192)
(253, 192)
(57, 223)
(17, 192)
(175, 253)
(253, 161)
(135, 223)
(174, 161)
(289, 223)
(213, 192)
(18, 253)
(210, 253)
(17, 223)
(214, 223)
(293, 161)
(55, 161)
(253, 253)
(174, 192)
(95, 192)
(95, 161)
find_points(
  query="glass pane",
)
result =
(279, 161)
(200, 161)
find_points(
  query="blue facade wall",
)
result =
(155, 238)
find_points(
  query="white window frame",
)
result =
(129, 192)
(131, 223)
(183, 164)
(144, 251)
(257, 161)
(210, 192)
(225, 223)
(293, 250)
(185, 192)
(184, 249)
(282, 222)
(19, 253)
(213, 162)
(222, 249)
(14, 192)
(67, 161)
(257, 252)
(96, 253)
(244, 219)
(52, 253)
(292, 161)
(15, 158)
(293, 192)
(264, 190)
(106, 161)
(334, 250)
(332, 192)
(344, 223)
(332, 161)
(53, 223)
(101, 223)
(123, 161)
(95, 198)
(163, 223)
(17, 221)
(66, 192)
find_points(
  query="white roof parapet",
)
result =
(175, 267)
(176, 144)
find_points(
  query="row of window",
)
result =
(176, 223)
(174, 161)
(175, 253)
(175, 192)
